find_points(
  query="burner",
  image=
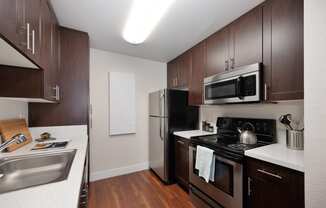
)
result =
(240, 146)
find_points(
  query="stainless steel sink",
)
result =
(33, 170)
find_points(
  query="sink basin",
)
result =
(32, 170)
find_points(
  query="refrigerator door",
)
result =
(157, 146)
(157, 103)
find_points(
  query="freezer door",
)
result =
(157, 146)
(157, 104)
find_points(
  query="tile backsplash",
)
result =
(269, 111)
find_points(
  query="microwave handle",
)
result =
(239, 88)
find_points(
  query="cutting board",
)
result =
(12, 127)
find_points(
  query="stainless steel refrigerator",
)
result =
(168, 112)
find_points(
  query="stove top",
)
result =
(225, 143)
(227, 138)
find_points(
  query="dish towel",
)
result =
(205, 163)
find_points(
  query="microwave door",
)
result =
(222, 89)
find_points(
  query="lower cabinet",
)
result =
(271, 186)
(181, 147)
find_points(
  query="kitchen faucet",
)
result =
(18, 138)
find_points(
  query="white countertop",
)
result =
(63, 194)
(279, 154)
(192, 133)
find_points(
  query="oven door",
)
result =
(241, 85)
(227, 188)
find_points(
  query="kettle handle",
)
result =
(249, 124)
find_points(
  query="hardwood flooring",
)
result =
(137, 190)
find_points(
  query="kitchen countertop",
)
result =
(63, 194)
(192, 133)
(279, 154)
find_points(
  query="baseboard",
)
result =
(95, 176)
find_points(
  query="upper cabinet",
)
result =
(238, 44)
(217, 52)
(271, 33)
(31, 28)
(283, 49)
(197, 74)
(172, 74)
(178, 71)
(246, 34)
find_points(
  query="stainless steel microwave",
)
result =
(242, 85)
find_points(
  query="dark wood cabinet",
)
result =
(246, 35)
(271, 186)
(238, 44)
(11, 24)
(19, 26)
(283, 49)
(197, 74)
(33, 30)
(74, 83)
(181, 152)
(217, 47)
(172, 74)
(179, 71)
(184, 69)
(49, 51)
(32, 10)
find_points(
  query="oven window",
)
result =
(225, 89)
(223, 176)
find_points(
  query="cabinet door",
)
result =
(47, 50)
(181, 162)
(32, 21)
(246, 39)
(274, 186)
(217, 52)
(283, 57)
(172, 74)
(184, 69)
(197, 74)
(12, 27)
(269, 194)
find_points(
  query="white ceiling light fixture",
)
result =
(144, 16)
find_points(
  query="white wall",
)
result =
(315, 102)
(268, 111)
(13, 109)
(113, 155)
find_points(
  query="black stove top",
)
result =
(227, 137)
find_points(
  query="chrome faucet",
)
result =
(18, 138)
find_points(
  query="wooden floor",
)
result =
(137, 190)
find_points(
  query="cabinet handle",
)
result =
(270, 174)
(28, 31)
(226, 65)
(265, 92)
(180, 142)
(33, 41)
(232, 60)
(57, 92)
(249, 186)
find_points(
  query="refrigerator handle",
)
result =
(162, 100)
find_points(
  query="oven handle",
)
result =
(226, 158)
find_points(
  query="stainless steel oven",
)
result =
(227, 189)
(241, 85)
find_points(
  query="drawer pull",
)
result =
(181, 142)
(270, 174)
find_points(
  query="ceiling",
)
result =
(186, 23)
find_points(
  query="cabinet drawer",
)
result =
(268, 171)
